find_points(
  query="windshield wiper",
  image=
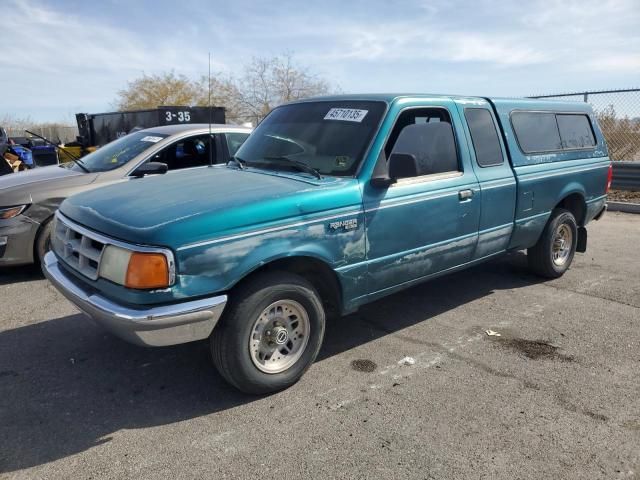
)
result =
(301, 166)
(80, 163)
(75, 159)
(238, 161)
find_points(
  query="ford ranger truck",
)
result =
(331, 203)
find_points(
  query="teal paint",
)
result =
(223, 223)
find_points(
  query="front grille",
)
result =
(77, 248)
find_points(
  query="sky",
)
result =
(63, 57)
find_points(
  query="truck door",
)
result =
(423, 225)
(497, 196)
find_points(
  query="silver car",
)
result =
(29, 199)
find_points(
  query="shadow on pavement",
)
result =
(23, 273)
(423, 302)
(66, 386)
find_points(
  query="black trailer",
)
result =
(97, 129)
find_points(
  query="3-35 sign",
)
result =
(180, 116)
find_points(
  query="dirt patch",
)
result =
(533, 349)
(596, 416)
(623, 196)
(572, 407)
(364, 365)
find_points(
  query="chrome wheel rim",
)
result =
(279, 336)
(562, 243)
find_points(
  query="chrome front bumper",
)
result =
(153, 326)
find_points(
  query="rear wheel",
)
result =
(270, 333)
(554, 252)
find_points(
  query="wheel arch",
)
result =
(36, 239)
(576, 204)
(316, 270)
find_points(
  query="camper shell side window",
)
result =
(539, 132)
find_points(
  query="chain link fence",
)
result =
(618, 113)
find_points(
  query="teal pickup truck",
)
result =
(330, 203)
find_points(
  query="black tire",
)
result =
(43, 240)
(230, 339)
(541, 255)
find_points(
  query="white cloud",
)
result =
(417, 40)
(57, 59)
(566, 33)
(618, 63)
(56, 42)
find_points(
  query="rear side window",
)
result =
(536, 131)
(484, 137)
(575, 131)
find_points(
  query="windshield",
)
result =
(330, 137)
(119, 152)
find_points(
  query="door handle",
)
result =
(465, 194)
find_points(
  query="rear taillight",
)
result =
(609, 178)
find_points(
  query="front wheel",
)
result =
(552, 255)
(43, 240)
(270, 334)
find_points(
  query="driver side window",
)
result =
(187, 153)
(427, 135)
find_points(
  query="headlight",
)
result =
(114, 264)
(135, 269)
(10, 212)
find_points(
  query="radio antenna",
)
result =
(209, 104)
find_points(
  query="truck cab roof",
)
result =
(499, 102)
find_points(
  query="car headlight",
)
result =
(10, 212)
(133, 269)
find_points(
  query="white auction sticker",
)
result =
(150, 138)
(346, 114)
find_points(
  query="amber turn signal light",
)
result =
(10, 212)
(147, 270)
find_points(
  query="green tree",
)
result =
(151, 91)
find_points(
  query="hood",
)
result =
(22, 187)
(204, 203)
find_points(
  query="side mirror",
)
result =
(150, 168)
(400, 165)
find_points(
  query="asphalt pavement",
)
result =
(556, 395)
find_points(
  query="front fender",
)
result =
(41, 212)
(219, 265)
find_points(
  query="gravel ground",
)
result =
(555, 396)
(623, 196)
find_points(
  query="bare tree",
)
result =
(264, 84)
(269, 82)
(622, 134)
(16, 127)
(224, 93)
